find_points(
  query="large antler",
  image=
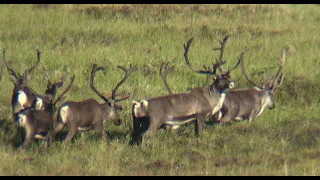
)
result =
(1, 71)
(18, 75)
(238, 62)
(93, 72)
(2, 66)
(52, 88)
(207, 68)
(28, 71)
(63, 79)
(47, 77)
(279, 77)
(164, 74)
(221, 48)
(10, 70)
(206, 71)
(127, 74)
(244, 71)
(61, 96)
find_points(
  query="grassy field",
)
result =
(284, 141)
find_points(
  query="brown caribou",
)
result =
(89, 114)
(249, 103)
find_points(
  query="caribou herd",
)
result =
(38, 115)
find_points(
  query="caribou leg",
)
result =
(225, 118)
(99, 128)
(199, 125)
(71, 133)
(153, 127)
(29, 137)
(254, 114)
(58, 128)
(49, 137)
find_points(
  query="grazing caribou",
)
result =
(39, 124)
(249, 103)
(180, 108)
(89, 114)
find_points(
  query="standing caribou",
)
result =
(23, 96)
(140, 121)
(249, 103)
(89, 114)
(180, 108)
(39, 124)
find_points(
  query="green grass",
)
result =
(284, 141)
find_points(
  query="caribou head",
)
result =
(114, 108)
(221, 81)
(51, 90)
(89, 114)
(20, 79)
(269, 88)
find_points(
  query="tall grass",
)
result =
(283, 141)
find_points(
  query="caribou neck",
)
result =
(106, 108)
(214, 90)
(19, 86)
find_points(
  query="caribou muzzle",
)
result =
(272, 106)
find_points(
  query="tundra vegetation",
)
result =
(284, 141)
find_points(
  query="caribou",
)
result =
(39, 124)
(180, 108)
(89, 114)
(25, 97)
(22, 95)
(43, 101)
(138, 110)
(249, 103)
